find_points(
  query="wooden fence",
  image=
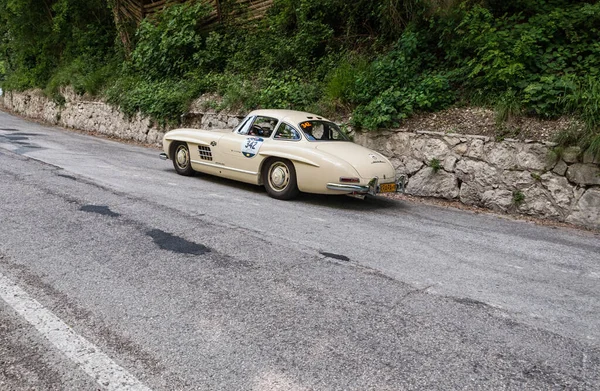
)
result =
(129, 13)
(245, 10)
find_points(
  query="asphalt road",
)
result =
(116, 273)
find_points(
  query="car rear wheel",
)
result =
(279, 178)
(181, 159)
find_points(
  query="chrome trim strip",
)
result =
(224, 167)
(372, 188)
(344, 187)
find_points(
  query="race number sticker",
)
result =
(251, 145)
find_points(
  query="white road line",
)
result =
(99, 366)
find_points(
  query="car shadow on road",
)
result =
(370, 203)
(246, 187)
(344, 202)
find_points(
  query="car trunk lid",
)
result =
(366, 162)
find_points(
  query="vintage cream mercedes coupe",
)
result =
(286, 151)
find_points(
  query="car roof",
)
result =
(291, 116)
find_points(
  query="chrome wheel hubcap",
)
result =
(279, 176)
(182, 157)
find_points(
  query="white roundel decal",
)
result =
(251, 145)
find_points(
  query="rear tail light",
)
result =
(349, 180)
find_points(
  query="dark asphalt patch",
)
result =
(169, 242)
(335, 256)
(67, 176)
(27, 145)
(16, 138)
(470, 302)
(100, 209)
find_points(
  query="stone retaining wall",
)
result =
(507, 176)
(82, 114)
(95, 116)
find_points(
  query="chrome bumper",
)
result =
(163, 156)
(372, 188)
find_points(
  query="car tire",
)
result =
(181, 159)
(279, 179)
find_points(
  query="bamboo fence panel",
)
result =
(132, 12)
(242, 9)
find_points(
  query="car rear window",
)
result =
(286, 132)
(322, 131)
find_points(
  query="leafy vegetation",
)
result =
(518, 198)
(435, 165)
(41, 44)
(378, 62)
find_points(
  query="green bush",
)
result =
(341, 80)
(83, 75)
(37, 42)
(163, 100)
(431, 92)
(584, 102)
(166, 46)
(379, 62)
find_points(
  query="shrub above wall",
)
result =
(376, 62)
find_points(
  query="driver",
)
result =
(257, 130)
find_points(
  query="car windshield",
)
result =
(322, 131)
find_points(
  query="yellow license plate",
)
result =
(387, 188)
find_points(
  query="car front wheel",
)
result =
(279, 178)
(181, 160)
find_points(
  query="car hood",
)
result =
(366, 162)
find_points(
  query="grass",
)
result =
(585, 103)
(435, 165)
(518, 198)
(536, 176)
(507, 107)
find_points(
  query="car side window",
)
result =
(286, 132)
(245, 126)
(263, 126)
